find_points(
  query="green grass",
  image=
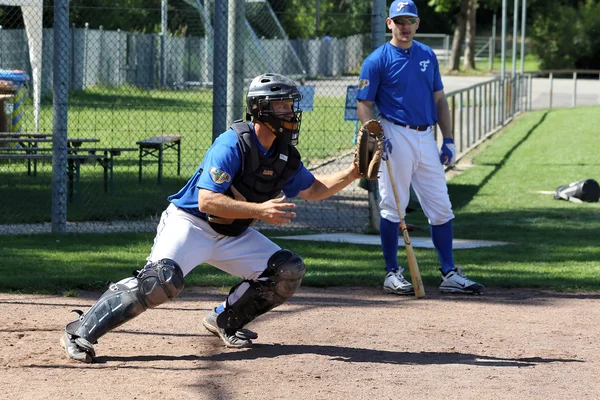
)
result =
(554, 244)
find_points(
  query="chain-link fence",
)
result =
(145, 92)
(140, 109)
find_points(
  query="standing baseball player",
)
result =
(241, 180)
(402, 79)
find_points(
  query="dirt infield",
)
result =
(340, 343)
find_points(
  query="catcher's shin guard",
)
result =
(155, 284)
(277, 283)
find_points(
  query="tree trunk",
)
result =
(459, 35)
(470, 31)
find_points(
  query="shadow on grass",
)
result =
(462, 195)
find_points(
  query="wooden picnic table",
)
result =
(155, 147)
(25, 135)
(75, 157)
(31, 144)
(75, 142)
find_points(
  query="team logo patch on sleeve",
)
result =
(219, 176)
(363, 83)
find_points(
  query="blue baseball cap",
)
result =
(403, 8)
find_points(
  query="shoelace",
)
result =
(400, 276)
(460, 273)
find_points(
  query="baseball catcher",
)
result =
(369, 149)
(247, 174)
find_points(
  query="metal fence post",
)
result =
(479, 106)
(574, 89)
(551, 82)
(163, 43)
(85, 55)
(530, 92)
(468, 118)
(219, 69)
(490, 53)
(453, 115)
(460, 121)
(493, 44)
(60, 116)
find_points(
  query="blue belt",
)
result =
(414, 127)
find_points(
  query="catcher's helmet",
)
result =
(269, 88)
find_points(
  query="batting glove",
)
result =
(447, 152)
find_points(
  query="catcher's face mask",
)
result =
(283, 117)
(274, 100)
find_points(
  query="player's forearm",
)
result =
(224, 206)
(328, 185)
(364, 110)
(443, 114)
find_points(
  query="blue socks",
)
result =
(442, 236)
(388, 231)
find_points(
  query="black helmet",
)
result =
(268, 88)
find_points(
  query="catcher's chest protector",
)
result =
(261, 178)
(586, 190)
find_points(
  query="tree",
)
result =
(461, 17)
(566, 36)
(340, 18)
(470, 32)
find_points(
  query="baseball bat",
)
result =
(415, 274)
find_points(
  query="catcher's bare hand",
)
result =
(277, 211)
(369, 149)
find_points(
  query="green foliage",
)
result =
(338, 18)
(142, 16)
(566, 37)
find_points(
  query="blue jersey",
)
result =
(220, 166)
(401, 83)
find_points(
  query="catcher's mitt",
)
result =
(369, 149)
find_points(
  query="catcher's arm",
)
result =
(328, 185)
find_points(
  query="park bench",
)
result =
(154, 147)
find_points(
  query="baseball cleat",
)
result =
(395, 283)
(241, 338)
(78, 349)
(456, 282)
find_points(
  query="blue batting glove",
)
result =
(447, 152)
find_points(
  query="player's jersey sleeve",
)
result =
(369, 79)
(437, 78)
(301, 180)
(221, 163)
